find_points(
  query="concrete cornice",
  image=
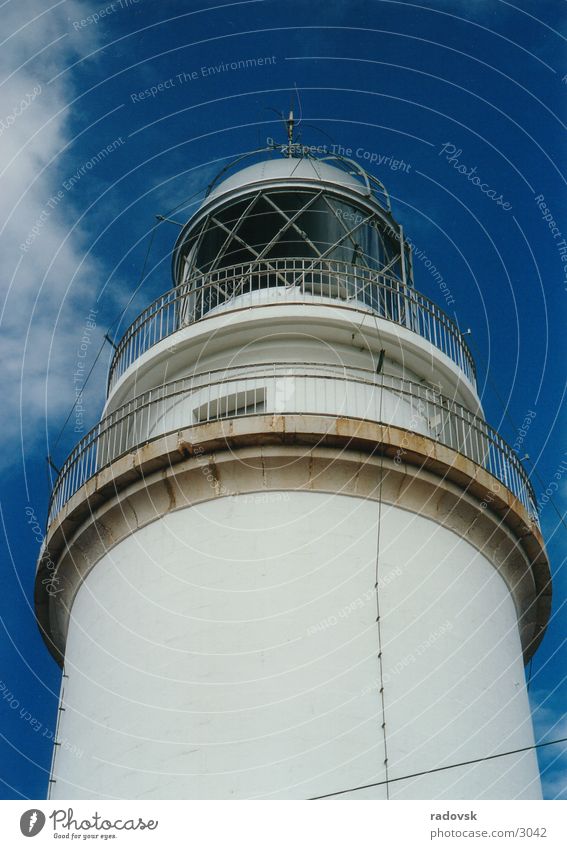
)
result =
(300, 453)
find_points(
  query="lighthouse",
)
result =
(293, 560)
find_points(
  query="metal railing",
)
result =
(297, 280)
(290, 388)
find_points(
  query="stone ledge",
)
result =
(425, 477)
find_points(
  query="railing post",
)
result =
(131, 424)
(393, 300)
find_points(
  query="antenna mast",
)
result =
(290, 125)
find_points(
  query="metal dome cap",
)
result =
(291, 203)
(301, 166)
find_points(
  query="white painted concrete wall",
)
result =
(290, 394)
(274, 393)
(230, 651)
(293, 333)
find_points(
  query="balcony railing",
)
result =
(295, 281)
(289, 388)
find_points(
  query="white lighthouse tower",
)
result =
(292, 560)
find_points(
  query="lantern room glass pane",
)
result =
(306, 224)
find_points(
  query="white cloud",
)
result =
(551, 724)
(51, 273)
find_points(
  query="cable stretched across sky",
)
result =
(438, 769)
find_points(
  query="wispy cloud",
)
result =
(551, 724)
(43, 265)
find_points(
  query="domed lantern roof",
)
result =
(294, 206)
(293, 170)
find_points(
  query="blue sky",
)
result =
(437, 84)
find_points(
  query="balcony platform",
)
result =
(261, 453)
